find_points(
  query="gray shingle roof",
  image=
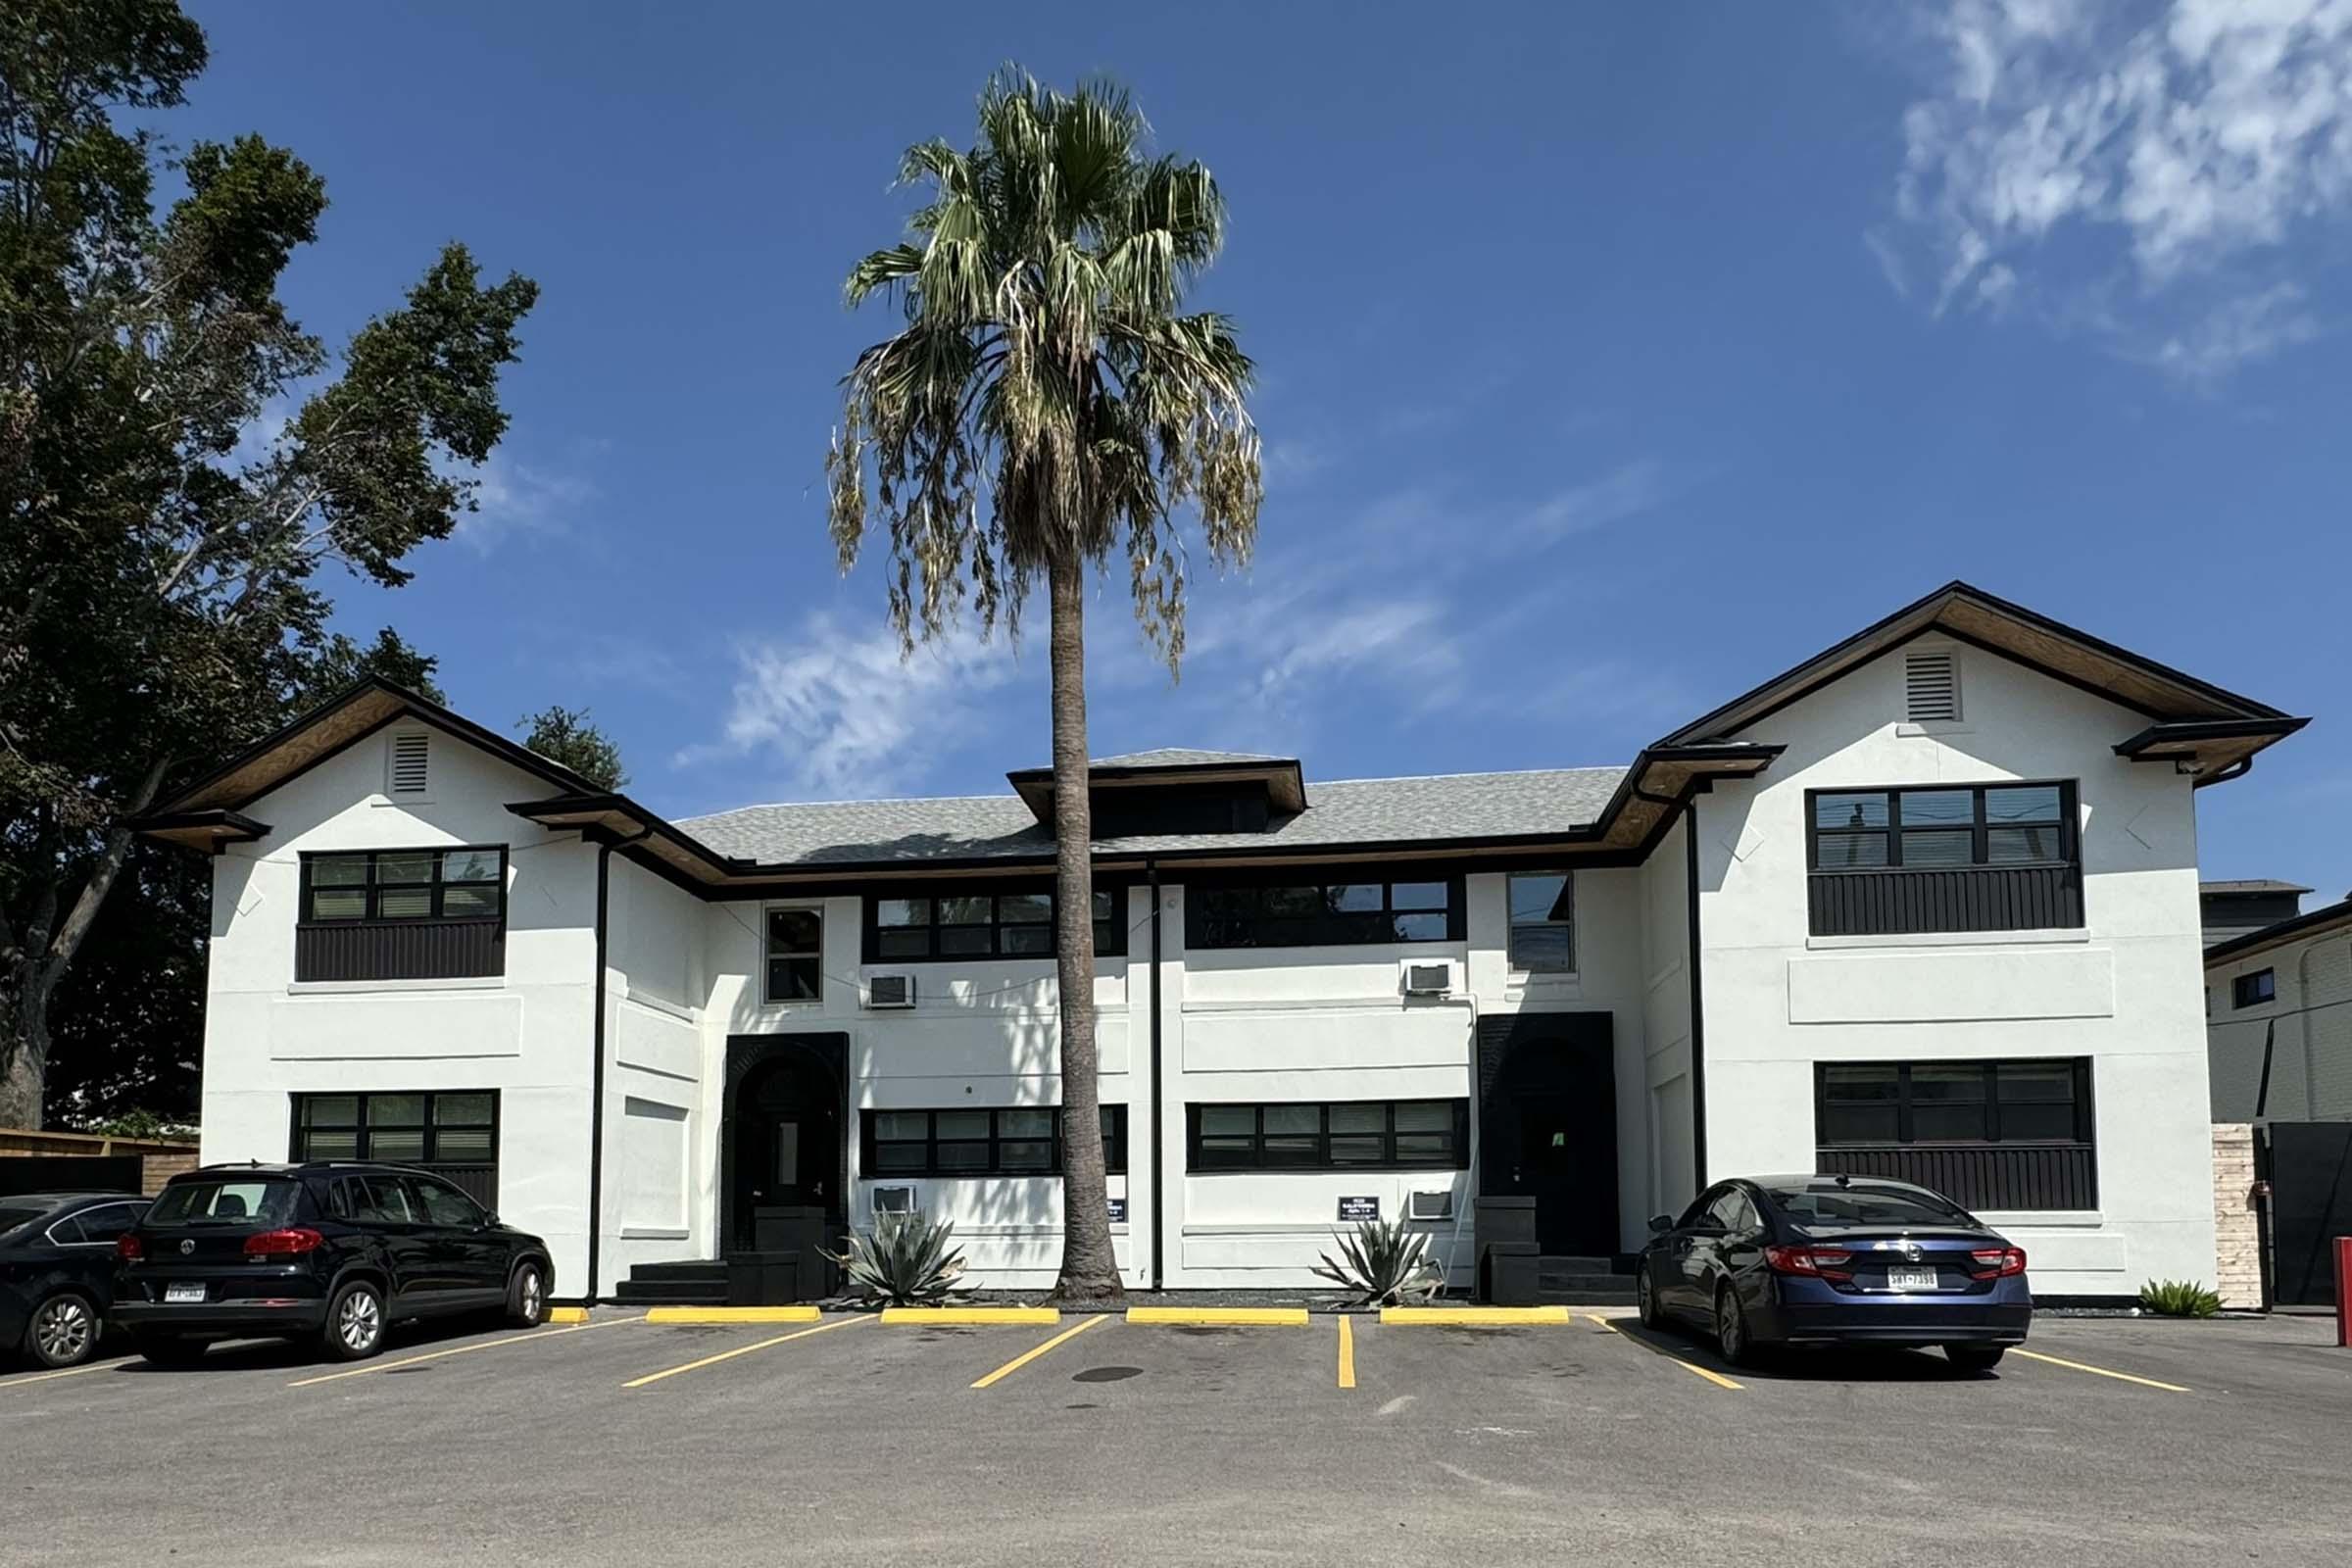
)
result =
(1182, 756)
(1400, 811)
(2258, 884)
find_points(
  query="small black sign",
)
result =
(1118, 1212)
(1359, 1208)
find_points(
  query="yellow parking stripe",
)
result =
(2098, 1371)
(1692, 1367)
(1026, 1356)
(746, 1349)
(460, 1349)
(1347, 1352)
(63, 1372)
(1221, 1316)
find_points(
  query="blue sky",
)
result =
(1613, 358)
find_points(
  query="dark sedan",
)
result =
(1808, 1260)
(57, 1269)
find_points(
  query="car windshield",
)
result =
(1826, 1205)
(226, 1200)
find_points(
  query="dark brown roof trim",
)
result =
(200, 830)
(1286, 784)
(2309, 923)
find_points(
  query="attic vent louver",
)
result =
(1932, 686)
(409, 778)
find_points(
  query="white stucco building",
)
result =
(2278, 1016)
(1925, 905)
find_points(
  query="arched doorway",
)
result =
(783, 1185)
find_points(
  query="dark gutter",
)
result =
(1698, 1002)
(606, 844)
(1159, 1156)
(2207, 729)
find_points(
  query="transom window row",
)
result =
(1323, 915)
(2007, 824)
(981, 925)
(398, 885)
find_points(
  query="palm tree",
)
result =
(1045, 403)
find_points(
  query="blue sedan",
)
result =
(1773, 1260)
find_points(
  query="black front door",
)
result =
(1549, 1128)
(788, 1155)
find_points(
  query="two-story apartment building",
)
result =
(1925, 905)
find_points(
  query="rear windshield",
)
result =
(226, 1200)
(1829, 1205)
(10, 1218)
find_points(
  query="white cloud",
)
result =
(846, 716)
(2076, 146)
(2238, 331)
(1632, 489)
(513, 497)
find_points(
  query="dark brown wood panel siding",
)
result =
(2003, 1176)
(422, 949)
(1909, 902)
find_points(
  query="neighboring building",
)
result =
(2282, 996)
(2232, 909)
(1925, 905)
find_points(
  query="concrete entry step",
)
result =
(671, 1293)
(692, 1268)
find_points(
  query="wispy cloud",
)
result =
(2161, 163)
(1625, 492)
(844, 716)
(513, 497)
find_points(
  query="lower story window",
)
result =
(998, 1141)
(1343, 1135)
(451, 1131)
(2013, 1134)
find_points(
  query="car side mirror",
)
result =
(1660, 1224)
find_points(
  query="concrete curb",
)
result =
(567, 1314)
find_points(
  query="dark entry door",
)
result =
(1558, 1166)
(789, 1121)
(1549, 1129)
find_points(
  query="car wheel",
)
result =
(527, 1297)
(163, 1351)
(1646, 1297)
(355, 1323)
(63, 1331)
(1974, 1358)
(1732, 1341)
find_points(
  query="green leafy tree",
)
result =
(564, 735)
(1048, 403)
(164, 526)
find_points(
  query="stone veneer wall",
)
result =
(2237, 1235)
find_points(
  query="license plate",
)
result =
(1911, 1279)
(183, 1293)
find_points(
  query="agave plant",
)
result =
(2179, 1299)
(904, 1262)
(1386, 1265)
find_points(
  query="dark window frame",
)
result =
(1199, 932)
(1261, 1159)
(769, 958)
(1512, 923)
(1980, 827)
(1110, 932)
(2243, 989)
(364, 1130)
(1115, 1143)
(306, 915)
(1906, 1104)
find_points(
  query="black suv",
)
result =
(331, 1250)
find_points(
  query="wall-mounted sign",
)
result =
(1118, 1212)
(1359, 1208)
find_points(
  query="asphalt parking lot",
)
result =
(1102, 1440)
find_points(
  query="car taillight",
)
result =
(1822, 1262)
(128, 1247)
(289, 1242)
(1998, 1262)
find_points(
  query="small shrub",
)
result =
(1385, 1264)
(2179, 1299)
(904, 1262)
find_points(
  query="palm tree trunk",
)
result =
(1090, 1270)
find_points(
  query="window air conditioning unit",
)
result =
(894, 1201)
(1429, 1206)
(1427, 979)
(889, 991)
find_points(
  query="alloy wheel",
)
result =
(64, 1330)
(531, 1295)
(1730, 1327)
(360, 1321)
(1645, 1302)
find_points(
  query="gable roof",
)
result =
(2195, 722)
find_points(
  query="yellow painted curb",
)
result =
(970, 1314)
(567, 1314)
(1221, 1316)
(1492, 1317)
(733, 1314)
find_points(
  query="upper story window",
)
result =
(1327, 914)
(1943, 857)
(1543, 922)
(980, 924)
(402, 915)
(795, 955)
(2253, 990)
